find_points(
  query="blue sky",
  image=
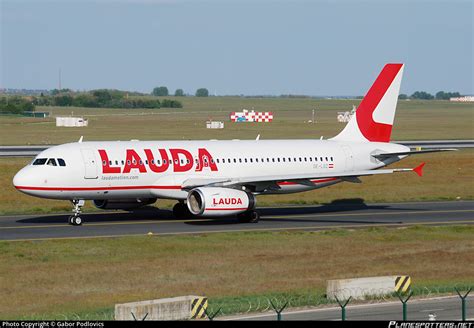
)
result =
(236, 47)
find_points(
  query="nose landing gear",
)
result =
(75, 219)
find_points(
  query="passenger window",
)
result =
(52, 162)
(61, 162)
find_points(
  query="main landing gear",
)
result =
(75, 219)
(249, 217)
(181, 211)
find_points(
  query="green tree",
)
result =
(63, 100)
(179, 93)
(171, 103)
(446, 95)
(16, 105)
(103, 96)
(85, 100)
(160, 91)
(55, 92)
(202, 92)
(422, 95)
(402, 96)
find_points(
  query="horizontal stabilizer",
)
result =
(419, 169)
(405, 153)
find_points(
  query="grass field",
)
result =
(49, 278)
(456, 170)
(414, 120)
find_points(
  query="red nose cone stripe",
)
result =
(374, 131)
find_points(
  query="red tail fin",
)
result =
(374, 117)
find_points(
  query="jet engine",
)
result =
(122, 204)
(215, 201)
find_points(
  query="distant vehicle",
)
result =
(220, 178)
(344, 117)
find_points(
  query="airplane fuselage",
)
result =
(158, 169)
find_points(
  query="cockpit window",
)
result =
(40, 161)
(51, 162)
(61, 162)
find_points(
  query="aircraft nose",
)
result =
(20, 179)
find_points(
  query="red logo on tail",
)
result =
(374, 131)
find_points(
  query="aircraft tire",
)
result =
(180, 211)
(249, 217)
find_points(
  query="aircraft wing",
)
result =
(271, 181)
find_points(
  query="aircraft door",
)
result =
(90, 164)
(349, 157)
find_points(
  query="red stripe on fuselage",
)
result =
(138, 187)
(95, 188)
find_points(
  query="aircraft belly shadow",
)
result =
(154, 214)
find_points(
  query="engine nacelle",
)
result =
(215, 201)
(122, 204)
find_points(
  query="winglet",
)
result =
(419, 169)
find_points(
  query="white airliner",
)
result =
(219, 178)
